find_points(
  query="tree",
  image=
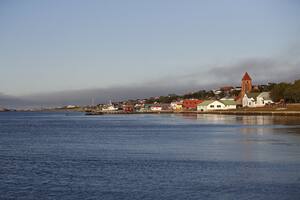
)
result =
(202, 94)
(292, 93)
(150, 100)
(278, 91)
(235, 93)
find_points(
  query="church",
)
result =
(250, 98)
(246, 84)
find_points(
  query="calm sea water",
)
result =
(72, 156)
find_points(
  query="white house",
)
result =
(70, 106)
(263, 99)
(254, 99)
(249, 100)
(211, 105)
(156, 108)
(176, 105)
(216, 92)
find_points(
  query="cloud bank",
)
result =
(262, 70)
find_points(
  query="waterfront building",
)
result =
(128, 108)
(138, 106)
(156, 107)
(191, 104)
(146, 107)
(71, 106)
(176, 105)
(211, 105)
(160, 107)
(256, 99)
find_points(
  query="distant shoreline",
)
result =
(275, 113)
(253, 113)
(271, 112)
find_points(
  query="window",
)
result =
(212, 106)
(218, 106)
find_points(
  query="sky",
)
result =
(63, 52)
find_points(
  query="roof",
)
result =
(177, 103)
(227, 98)
(252, 94)
(158, 104)
(192, 100)
(246, 77)
(226, 88)
(206, 103)
(225, 102)
(265, 95)
(228, 102)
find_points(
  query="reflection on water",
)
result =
(244, 119)
(263, 138)
(200, 156)
(257, 124)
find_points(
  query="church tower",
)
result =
(246, 84)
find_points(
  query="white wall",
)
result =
(230, 107)
(156, 108)
(201, 108)
(216, 105)
(248, 102)
(259, 102)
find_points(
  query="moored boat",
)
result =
(93, 113)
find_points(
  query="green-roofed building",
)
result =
(211, 105)
(229, 102)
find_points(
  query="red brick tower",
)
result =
(246, 84)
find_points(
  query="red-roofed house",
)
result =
(128, 108)
(191, 104)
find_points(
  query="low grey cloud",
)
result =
(263, 70)
(7, 101)
(100, 95)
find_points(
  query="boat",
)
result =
(94, 113)
(110, 107)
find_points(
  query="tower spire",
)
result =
(246, 77)
(246, 84)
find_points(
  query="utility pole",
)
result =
(93, 101)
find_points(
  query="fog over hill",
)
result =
(262, 70)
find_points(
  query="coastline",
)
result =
(277, 113)
(227, 112)
(289, 110)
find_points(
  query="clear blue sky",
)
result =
(58, 45)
